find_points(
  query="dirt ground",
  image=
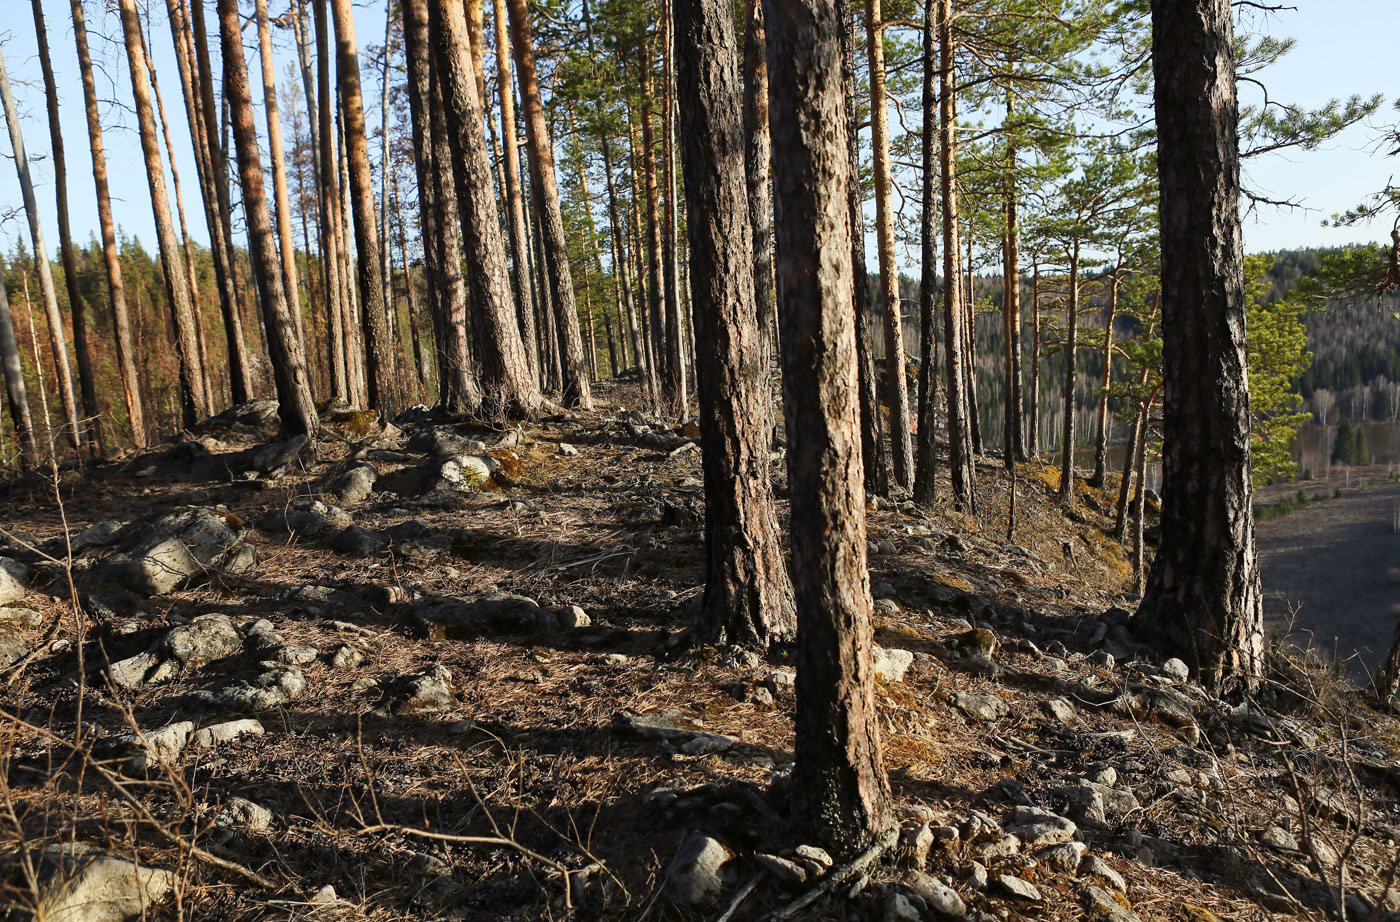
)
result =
(1331, 569)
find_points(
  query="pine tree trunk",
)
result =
(896, 392)
(1071, 353)
(840, 792)
(459, 387)
(374, 321)
(295, 406)
(969, 330)
(515, 200)
(1033, 433)
(670, 245)
(647, 266)
(282, 202)
(87, 386)
(328, 192)
(758, 161)
(748, 597)
(926, 453)
(1135, 444)
(58, 346)
(1101, 436)
(575, 386)
(1014, 442)
(505, 369)
(172, 267)
(121, 318)
(16, 396)
(239, 367)
(667, 381)
(876, 467)
(1203, 599)
(959, 435)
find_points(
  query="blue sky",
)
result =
(1340, 49)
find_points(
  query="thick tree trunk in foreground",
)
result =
(282, 200)
(926, 453)
(1203, 599)
(872, 444)
(840, 792)
(459, 388)
(505, 370)
(121, 317)
(378, 352)
(16, 395)
(295, 405)
(748, 597)
(576, 391)
(172, 266)
(959, 436)
(87, 386)
(58, 345)
(896, 392)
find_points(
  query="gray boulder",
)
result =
(353, 484)
(490, 613)
(276, 458)
(79, 883)
(891, 665)
(226, 732)
(174, 551)
(202, 641)
(979, 707)
(1040, 827)
(305, 518)
(14, 581)
(422, 694)
(698, 874)
(240, 813)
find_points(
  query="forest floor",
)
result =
(371, 681)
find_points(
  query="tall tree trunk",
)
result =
(840, 791)
(1102, 423)
(328, 190)
(459, 388)
(58, 345)
(926, 454)
(87, 385)
(515, 200)
(758, 162)
(896, 393)
(294, 403)
(670, 245)
(354, 339)
(282, 202)
(1203, 599)
(1014, 441)
(664, 359)
(386, 167)
(1135, 444)
(191, 279)
(16, 396)
(1033, 433)
(959, 436)
(173, 269)
(648, 265)
(748, 597)
(969, 331)
(1067, 430)
(378, 351)
(505, 370)
(576, 391)
(239, 365)
(121, 318)
(876, 468)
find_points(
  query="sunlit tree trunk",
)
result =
(172, 266)
(758, 160)
(515, 200)
(328, 176)
(295, 406)
(840, 793)
(1102, 422)
(926, 454)
(1071, 353)
(87, 386)
(575, 390)
(664, 359)
(121, 318)
(1014, 440)
(1033, 423)
(16, 396)
(674, 323)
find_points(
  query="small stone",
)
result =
(940, 897)
(781, 681)
(900, 908)
(1279, 839)
(296, 654)
(79, 883)
(891, 665)
(344, 657)
(980, 707)
(1004, 847)
(226, 732)
(784, 871)
(1175, 669)
(567, 450)
(813, 853)
(325, 895)
(239, 813)
(761, 696)
(977, 876)
(697, 873)
(1061, 710)
(1018, 888)
(1040, 827)
(202, 641)
(1063, 857)
(1096, 867)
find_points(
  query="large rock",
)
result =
(14, 581)
(79, 883)
(891, 665)
(674, 728)
(275, 458)
(980, 707)
(422, 694)
(698, 874)
(353, 484)
(272, 689)
(202, 641)
(226, 732)
(305, 518)
(98, 534)
(175, 550)
(490, 613)
(1040, 827)
(156, 747)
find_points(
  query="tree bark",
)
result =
(1067, 430)
(748, 598)
(239, 367)
(282, 202)
(378, 351)
(896, 392)
(926, 453)
(16, 396)
(505, 369)
(459, 387)
(840, 791)
(121, 318)
(328, 187)
(87, 386)
(576, 391)
(1013, 442)
(959, 441)
(664, 359)
(1101, 436)
(670, 245)
(294, 403)
(758, 160)
(1203, 599)
(173, 269)
(1033, 431)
